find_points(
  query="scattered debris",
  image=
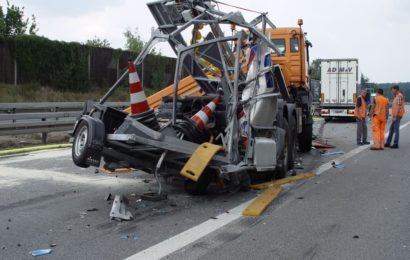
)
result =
(9, 220)
(92, 209)
(300, 198)
(41, 252)
(337, 165)
(332, 153)
(320, 145)
(7, 227)
(146, 181)
(108, 197)
(119, 210)
(214, 218)
(154, 196)
(53, 245)
(356, 236)
(129, 236)
(18, 245)
(96, 171)
(82, 214)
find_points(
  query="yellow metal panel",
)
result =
(199, 160)
(283, 181)
(262, 202)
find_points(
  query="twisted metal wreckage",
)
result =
(233, 131)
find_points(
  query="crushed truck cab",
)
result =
(242, 111)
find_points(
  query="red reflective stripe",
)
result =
(198, 121)
(139, 107)
(136, 87)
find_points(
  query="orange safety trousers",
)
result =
(378, 127)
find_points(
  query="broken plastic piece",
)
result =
(338, 165)
(332, 153)
(108, 197)
(119, 210)
(41, 252)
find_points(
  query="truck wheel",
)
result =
(283, 164)
(80, 145)
(293, 142)
(305, 138)
(199, 187)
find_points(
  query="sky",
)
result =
(376, 32)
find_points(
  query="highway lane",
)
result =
(43, 198)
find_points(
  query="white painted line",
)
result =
(324, 167)
(179, 241)
(193, 234)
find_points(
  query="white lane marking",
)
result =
(324, 167)
(193, 234)
(179, 241)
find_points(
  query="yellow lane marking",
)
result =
(262, 202)
(33, 149)
(272, 190)
(265, 185)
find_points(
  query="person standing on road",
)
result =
(397, 113)
(379, 114)
(360, 113)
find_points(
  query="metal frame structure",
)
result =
(133, 141)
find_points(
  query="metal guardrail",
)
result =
(45, 117)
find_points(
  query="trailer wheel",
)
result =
(200, 187)
(80, 144)
(293, 142)
(283, 166)
(305, 138)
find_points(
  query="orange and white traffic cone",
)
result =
(138, 100)
(201, 118)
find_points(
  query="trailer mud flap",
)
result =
(201, 157)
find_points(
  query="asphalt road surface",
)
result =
(361, 211)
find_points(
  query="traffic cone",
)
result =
(201, 118)
(138, 100)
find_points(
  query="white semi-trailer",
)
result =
(339, 87)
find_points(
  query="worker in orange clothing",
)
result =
(397, 113)
(360, 113)
(379, 113)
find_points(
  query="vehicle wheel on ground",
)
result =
(293, 142)
(283, 163)
(200, 187)
(305, 138)
(81, 144)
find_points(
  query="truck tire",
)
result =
(305, 138)
(283, 164)
(293, 142)
(81, 144)
(200, 187)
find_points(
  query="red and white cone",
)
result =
(201, 118)
(138, 100)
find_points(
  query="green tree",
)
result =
(13, 22)
(314, 70)
(2, 22)
(97, 42)
(134, 42)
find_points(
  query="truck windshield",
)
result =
(294, 45)
(280, 44)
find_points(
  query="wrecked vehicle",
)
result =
(247, 111)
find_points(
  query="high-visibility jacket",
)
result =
(360, 112)
(398, 105)
(381, 108)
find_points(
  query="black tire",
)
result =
(80, 145)
(305, 138)
(200, 187)
(293, 142)
(283, 164)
